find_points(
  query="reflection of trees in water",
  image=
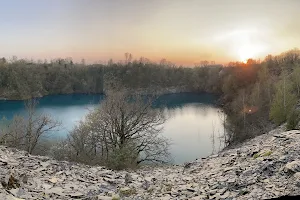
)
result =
(223, 132)
(217, 139)
(171, 112)
(202, 109)
(217, 117)
(212, 137)
(197, 109)
(218, 134)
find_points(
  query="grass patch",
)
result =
(256, 155)
(127, 192)
(267, 153)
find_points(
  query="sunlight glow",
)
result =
(246, 52)
(244, 43)
(249, 51)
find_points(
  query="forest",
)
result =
(256, 95)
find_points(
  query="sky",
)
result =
(182, 31)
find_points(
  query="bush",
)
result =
(293, 120)
(122, 158)
(277, 115)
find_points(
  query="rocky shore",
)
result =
(265, 167)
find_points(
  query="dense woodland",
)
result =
(21, 79)
(256, 95)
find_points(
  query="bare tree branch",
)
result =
(124, 122)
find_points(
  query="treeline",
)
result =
(22, 79)
(256, 95)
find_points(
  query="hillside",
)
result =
(265, 167)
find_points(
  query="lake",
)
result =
(192, 119)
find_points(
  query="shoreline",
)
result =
(163, 92)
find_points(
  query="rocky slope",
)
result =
(265, 167)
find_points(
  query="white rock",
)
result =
(47, 186)
(100, 197)
(293, 166)
(297, 175)
(53, 180)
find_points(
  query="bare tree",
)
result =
(213, 138)
(124, 122)
(11, 132)
(128, 58)
(38, 126)
(82, 145)
(224, 135)
(26, 132)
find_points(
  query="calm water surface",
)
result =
(191, 119)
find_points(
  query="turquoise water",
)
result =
(191, 119)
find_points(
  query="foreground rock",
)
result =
(266, 167)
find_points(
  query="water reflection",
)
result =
(193, 122)
(195, 130)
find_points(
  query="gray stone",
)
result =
(146, 185)
(128, 178)
(55, 190)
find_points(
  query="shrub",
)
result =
(293, 120)
(122, 158)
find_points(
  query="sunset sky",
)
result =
(182, 31)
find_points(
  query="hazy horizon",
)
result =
(184, 32)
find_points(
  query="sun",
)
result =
(253, 51)
(246, 52)
(246, 44)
